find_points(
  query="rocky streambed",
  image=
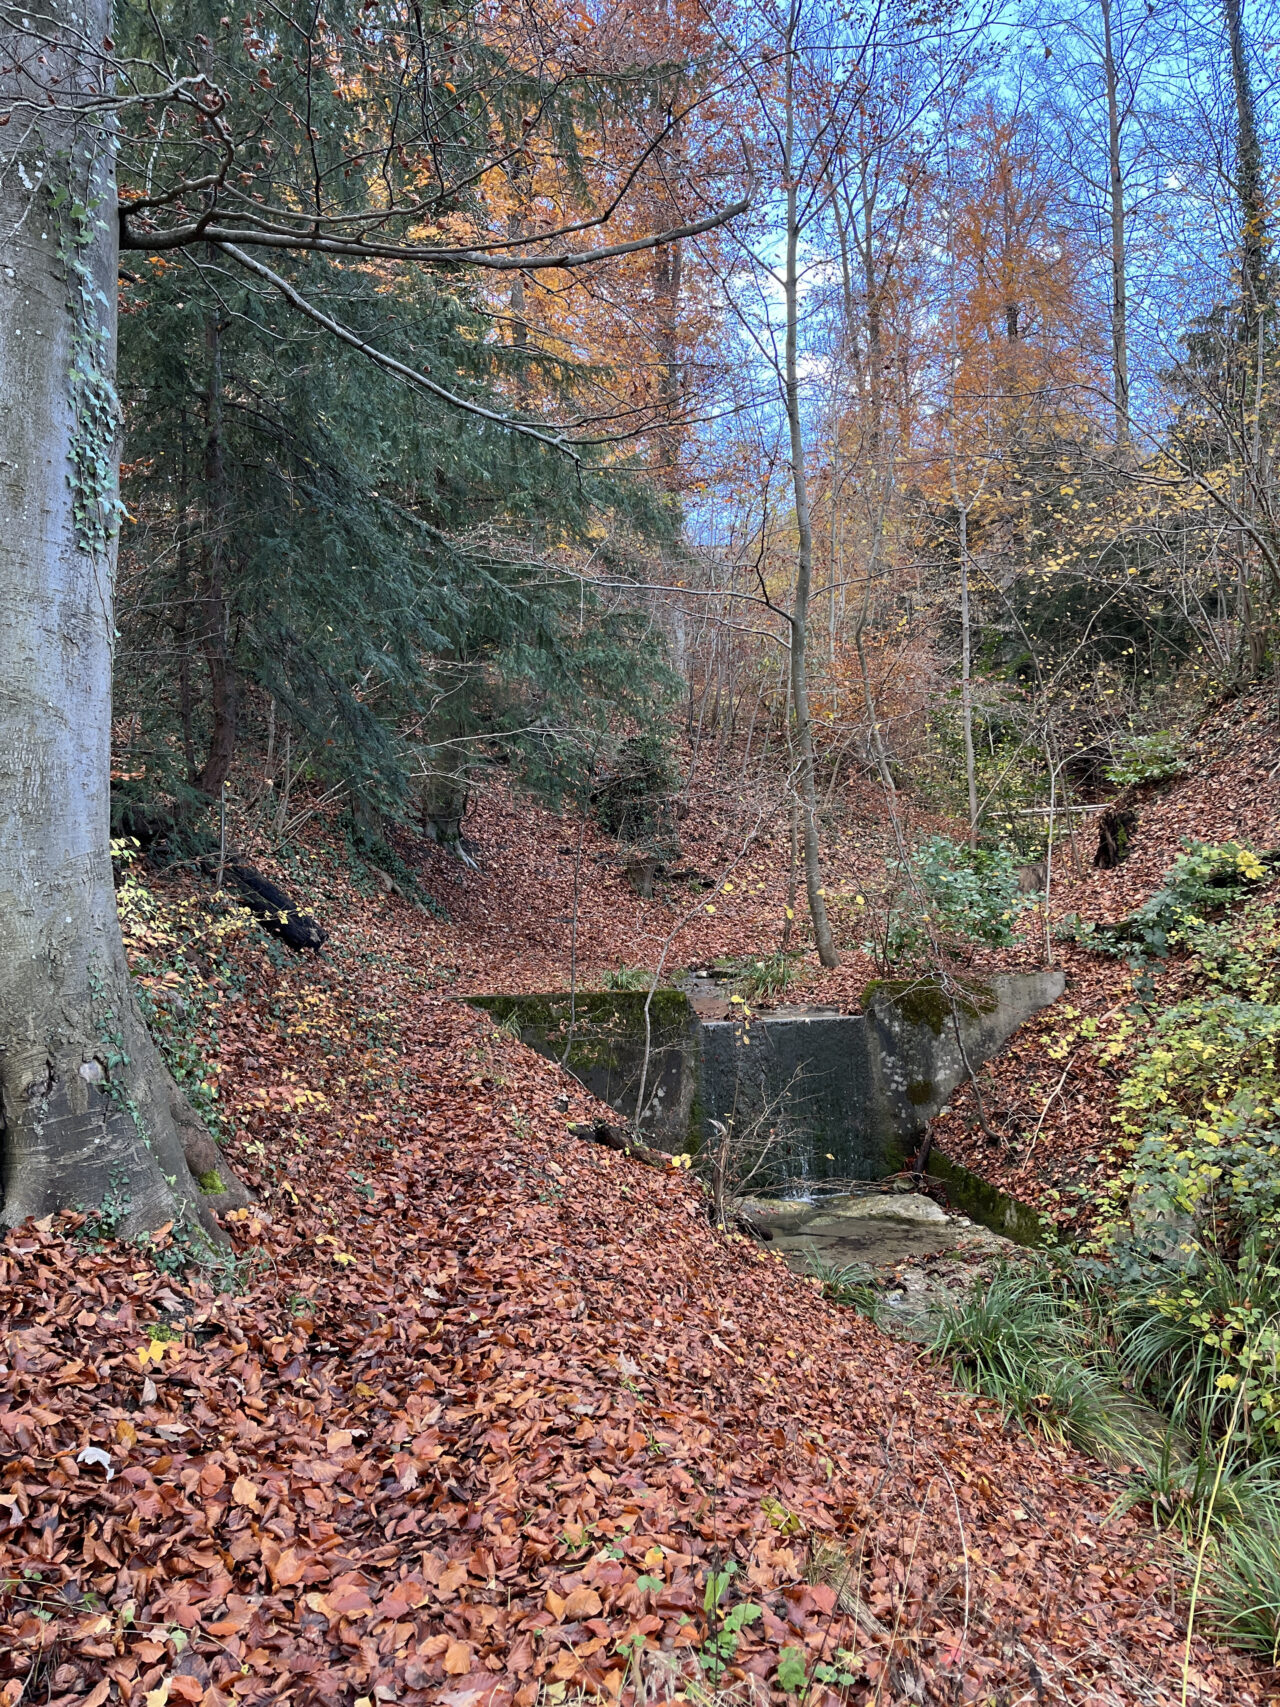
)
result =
(895, 1250)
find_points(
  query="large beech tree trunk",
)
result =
(89, 1115)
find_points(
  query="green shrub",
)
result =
(1242, 951)
(953, 894)
(1204, 879)
(1146, 758)
(1201, 1110)
(1200, 1105)
(633, 799)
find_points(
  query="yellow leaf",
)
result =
(158, 1697)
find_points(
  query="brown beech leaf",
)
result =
(457, 1659)
(582, 1603)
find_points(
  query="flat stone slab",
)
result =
(913, 1254)
(889, 1206)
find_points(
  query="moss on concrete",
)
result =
(923, 1001)
(987, 1204)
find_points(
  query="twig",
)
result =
(1048, 1105)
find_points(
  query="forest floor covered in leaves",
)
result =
(483, 1410)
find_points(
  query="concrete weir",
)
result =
(838, 1096)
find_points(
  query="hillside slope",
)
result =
(484, 1406)
(1051, 1095)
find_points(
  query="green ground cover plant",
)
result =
(1157, 1343)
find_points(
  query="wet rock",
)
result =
(910, 1206)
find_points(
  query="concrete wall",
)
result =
(807, 1083)
(918, 1058)
(603, 1033)
(835, 1096)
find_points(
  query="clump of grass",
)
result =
(1242, 1597)
(1188, 1489)
(1027, 1340)
(846, 1283)
(766, 980)
(1204, 1345)
(627, 978)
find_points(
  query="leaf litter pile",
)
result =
(487, 1415)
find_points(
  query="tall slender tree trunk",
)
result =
(966, 678)
(518, 176)
(963, 503)
(1119, 264)
(88, 1113)
(216, 618)
(1250, 180)
(668, 275)
(1256, 478)
(804, 553)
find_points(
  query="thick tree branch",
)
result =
(401, 369)
(282, 237)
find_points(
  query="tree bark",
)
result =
(804, 530)
(223, 686)
(1119, 264)
(668, 271)
(966, 677)
(1250, 179)
(89, 1115)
